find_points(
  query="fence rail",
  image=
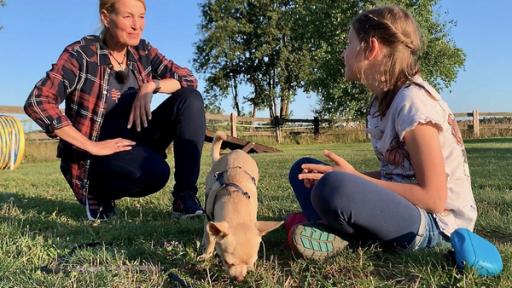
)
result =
(470, 122)
(11, 110)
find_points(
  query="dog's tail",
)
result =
(217, 141)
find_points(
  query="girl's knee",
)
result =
(296, 168)
(332, 190)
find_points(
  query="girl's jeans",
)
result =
(362, 211)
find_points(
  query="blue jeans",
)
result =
(360, 210)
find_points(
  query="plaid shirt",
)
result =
(80, 77)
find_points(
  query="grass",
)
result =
(45, 240)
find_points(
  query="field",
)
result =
(46, 241)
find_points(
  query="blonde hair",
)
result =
(395, 28)
(110, 6)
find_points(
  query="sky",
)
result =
(35, 33)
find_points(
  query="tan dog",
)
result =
(231, 207)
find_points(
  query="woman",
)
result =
(111, 144)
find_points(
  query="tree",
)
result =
(249, 42)
(220, 54)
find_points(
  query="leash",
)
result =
(219, 176)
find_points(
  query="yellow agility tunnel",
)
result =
(12, 142)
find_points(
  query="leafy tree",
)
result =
(249, 42)
(220, 54)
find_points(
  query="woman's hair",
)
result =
(110, 6)
(395, 28)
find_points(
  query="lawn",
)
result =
(46, 241)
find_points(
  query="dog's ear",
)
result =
(218, 229)
(266, 226)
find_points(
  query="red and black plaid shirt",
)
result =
(80, 78)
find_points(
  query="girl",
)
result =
(423, 189)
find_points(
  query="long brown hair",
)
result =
(395, 28)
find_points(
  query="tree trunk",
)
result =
(284, 105)
(253, 113)
(234, 91)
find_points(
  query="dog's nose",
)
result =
(239, 278)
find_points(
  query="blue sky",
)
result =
(35, 33)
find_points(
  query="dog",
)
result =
(232, 229)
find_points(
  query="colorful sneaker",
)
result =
(315, 241)
(290, 221)
(105, 211)
(186, 207)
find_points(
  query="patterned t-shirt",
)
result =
(411, 106)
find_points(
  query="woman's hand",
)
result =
(311, 173)
(111, 146)
(101, 148)
(141, 108)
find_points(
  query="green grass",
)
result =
(41, 223)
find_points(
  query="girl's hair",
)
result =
(395, 28)
(110, 6)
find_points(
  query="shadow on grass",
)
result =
(44, 211)
(56, 219)
(163, 242)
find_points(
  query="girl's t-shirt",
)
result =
(411, 106)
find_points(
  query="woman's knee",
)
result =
(157, 176)
(190, 97)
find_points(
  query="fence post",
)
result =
(233, 124)
(316, 127)
(276, 122)
(476, 124)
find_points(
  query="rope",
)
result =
(12, 142)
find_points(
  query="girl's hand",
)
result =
(141, 108)
(313, 172)
(309, 183)
(340, 163)
(111, 146)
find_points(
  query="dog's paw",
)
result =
(203, 257)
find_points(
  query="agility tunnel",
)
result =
(12, 142)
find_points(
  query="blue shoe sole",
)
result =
(313, 242)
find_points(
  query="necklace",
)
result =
(120, 63)
(120, 75)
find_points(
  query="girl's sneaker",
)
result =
(315, 241)
(290, 221)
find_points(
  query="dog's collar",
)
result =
(219, 176)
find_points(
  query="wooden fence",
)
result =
(478, 124)
(473, 124)
(260, 126)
